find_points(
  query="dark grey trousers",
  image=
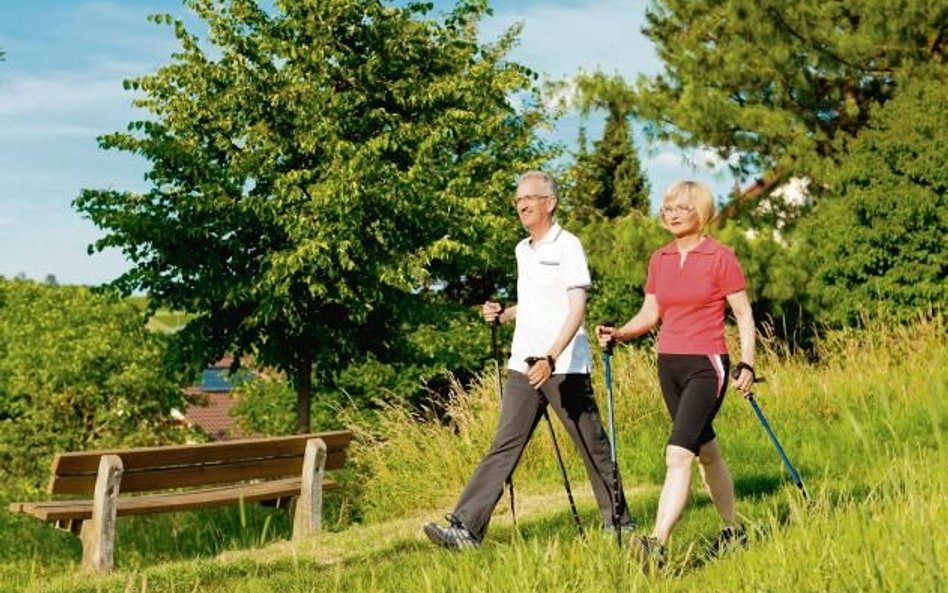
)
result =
(571, 398)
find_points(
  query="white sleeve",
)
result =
(575, 268)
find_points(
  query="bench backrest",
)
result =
(162, 468)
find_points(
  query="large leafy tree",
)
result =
(78, 370)
(777, 84)
(878, 238)
(323, 175)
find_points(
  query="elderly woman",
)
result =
(689, 282)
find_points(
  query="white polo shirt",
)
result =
(545, 272)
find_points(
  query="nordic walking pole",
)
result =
(531, 360)
(500, 398)
(607, 363)
(773, 437)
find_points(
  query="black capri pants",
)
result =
(693, 386)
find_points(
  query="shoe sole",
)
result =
(434, 534)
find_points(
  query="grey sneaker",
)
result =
(455, 536)
(649, 551)
(625, 528)
(730, 538)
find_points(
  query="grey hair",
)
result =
(551, 187)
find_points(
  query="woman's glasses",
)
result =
(677, 209)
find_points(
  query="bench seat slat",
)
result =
(59, 510)
(196, 475)
(87, 462)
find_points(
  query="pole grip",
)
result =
(496, 322)
(610, 346)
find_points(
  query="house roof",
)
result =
(212, 398)
(211, 413)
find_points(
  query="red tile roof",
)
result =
(210, 412)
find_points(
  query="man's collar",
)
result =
(551, 235)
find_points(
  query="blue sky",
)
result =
(61, 87)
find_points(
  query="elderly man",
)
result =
(552, 279)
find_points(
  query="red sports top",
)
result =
(691, 297)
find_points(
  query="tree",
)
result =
(78, 370)
(608, 181)
(618, 253)
(322, 174)
(780, 85)
(877, 239)
(777, 275)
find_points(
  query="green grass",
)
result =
(865, 426)
(163, 320)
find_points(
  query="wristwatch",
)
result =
(532, 360)
(743, 365)
(551, 361)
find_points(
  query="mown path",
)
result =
(362, 541)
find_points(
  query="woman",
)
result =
(689, 281)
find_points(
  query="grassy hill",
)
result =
(163, 320)
(865, 425)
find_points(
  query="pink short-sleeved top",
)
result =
(691, 297)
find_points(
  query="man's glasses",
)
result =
(530, 198)
(677, 209)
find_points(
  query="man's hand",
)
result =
(539, 371)
(491, 311)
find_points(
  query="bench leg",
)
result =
(98, 533)
(307, 518)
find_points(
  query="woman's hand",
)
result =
(744, 381)
(643, 321)
(606, 334)
(744, 376)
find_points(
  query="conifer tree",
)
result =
(608, 181)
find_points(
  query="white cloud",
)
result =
(561, 40)
(704, 159)
(59, 93)
(63, 105)
(49, 130)
(666, 159)
(111, 11)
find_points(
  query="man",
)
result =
(552, 279)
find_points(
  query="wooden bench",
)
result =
(187, 477)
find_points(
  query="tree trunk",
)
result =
(304, 391)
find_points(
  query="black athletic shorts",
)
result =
(693, 386)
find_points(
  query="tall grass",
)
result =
(875, 390)
(865, 425)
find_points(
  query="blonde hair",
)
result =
(697, 194)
